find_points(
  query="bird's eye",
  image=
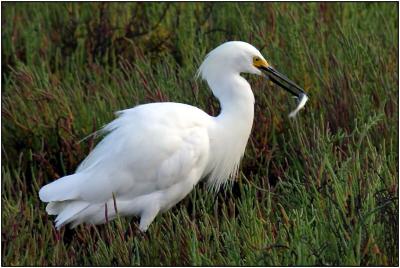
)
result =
(257, 61)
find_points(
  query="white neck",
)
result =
(233, 126)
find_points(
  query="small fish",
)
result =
(302, 99)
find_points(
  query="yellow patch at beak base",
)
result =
(258, 62)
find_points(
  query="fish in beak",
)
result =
(284, 82)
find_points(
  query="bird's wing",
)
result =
(148, 149)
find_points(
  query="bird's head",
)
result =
(241, 57)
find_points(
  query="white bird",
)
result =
(154, 154)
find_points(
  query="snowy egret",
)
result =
(154, 154)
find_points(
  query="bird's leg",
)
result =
(147, 217)
(136, 233)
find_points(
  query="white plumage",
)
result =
(154, 154)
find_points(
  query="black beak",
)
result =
(282, 81)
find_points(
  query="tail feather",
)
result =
(64, 200)
(55, 208)
(65, 188)
(70, 212)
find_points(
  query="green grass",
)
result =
(321, 189)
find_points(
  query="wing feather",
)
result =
(146, 150)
